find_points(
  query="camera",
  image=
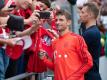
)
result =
(44, 14)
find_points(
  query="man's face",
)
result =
(84, 15)
(24, 4)
(62, 23)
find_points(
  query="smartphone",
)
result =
(44, 14)
(12, 6)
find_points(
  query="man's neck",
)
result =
(64, 32)
(90, 23)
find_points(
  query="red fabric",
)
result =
(24, 13)
(14, 52)
(37, 8)
(53, 25)
(44, 44)
(31, 49)
(12, 2)
(6, 1)
(1, 30)
(1, 33)
(71, 61)
(6, 29)
(49, 63)
(53, 22)
(35, 64)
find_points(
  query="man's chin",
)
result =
(60, 30)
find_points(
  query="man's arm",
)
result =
(42, 56)
(28, 31)
(48, 63)
(85, 56)
(10, 42)
(33, 28)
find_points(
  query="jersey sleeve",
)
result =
(85, 56)
(48, 63)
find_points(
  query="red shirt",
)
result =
(2, 33)
(42, 41)
(71, 59)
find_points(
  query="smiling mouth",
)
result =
(58, 26)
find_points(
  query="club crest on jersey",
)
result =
(46, 40)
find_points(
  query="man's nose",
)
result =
(30, 2)
(57, 22)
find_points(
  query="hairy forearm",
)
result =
(3, 41)
(27, 21)
(28, 31)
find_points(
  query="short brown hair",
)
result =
(66, 13)
(93, 8)
(46, 2)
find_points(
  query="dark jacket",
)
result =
(92, 38)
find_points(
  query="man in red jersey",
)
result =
(71, 57)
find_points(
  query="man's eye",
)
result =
(61, 19)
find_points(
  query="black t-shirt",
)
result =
(92, 38)
(82, 28)
(15, 23)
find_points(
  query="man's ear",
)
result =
(69, 22)
(92, 15)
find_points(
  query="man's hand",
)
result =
(54, 33)
(42, 54)
(32, 19)
(19, 33)
(11, 42)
